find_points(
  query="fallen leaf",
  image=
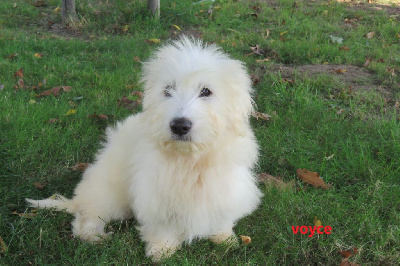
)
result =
(66, 88)
(32, 101)
(348, 263)
(245, 239)
(71, 112)
(129, 104)
(257, 50)
(12, 56)
(125, 28)
(344, 48)
(38, 55)
(317, 222)
(19, 73)
(101, 117)
(38, 185)
(391, 71)
(151, 41)
(340, 71)
(262, 116)
(40, 3)
(80, 167)
(283, 33)
(53, 120)
(270, 180)
(28, 215)
(255, 79)
(57, 9)
(312, 178)
(176, 27)
(21, 84)
(136, 59)
(262, 60)
(370, 35)
(367, 62)
(55, 91)
(348, 253)
(72, 104)
(3, 246)
(288, 81)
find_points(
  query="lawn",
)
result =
(326, 72)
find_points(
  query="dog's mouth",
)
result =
(182, 146)
(184, 138)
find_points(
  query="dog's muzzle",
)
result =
(180, 126)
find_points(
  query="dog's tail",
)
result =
(56, 201)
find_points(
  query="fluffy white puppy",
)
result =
(182, 167)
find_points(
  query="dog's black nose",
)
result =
(180, 126)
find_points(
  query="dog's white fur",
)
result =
(178, 189)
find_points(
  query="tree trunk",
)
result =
(68, 12)
(154, 7)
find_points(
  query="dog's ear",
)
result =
(241, 105)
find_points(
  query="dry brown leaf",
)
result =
(102, 117)
(245, 239)
(255, 79)
(312, 178)
(129, 104)
(345, 262)
(262, 60)
(66, 88)
(52, 120)
(288, 81)
(344, 48)
(3, 246)
(53, 91)
(340, 71)
(80, 167)
(270, 180)
(38, 185)
(19, 73)
(368, 61)
(21, 84)
(391, 71)
(257, 50)
(370, 35)
(28, 215)
(262, 116)
(136, 59)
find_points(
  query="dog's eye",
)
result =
(205, 92)
(167, 91)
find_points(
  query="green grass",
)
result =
(356, 150)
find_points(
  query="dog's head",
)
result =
(195, 95)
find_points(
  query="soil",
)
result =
(357, 78)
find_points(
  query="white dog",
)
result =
(182, 167)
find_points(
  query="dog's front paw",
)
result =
(158, 252)
(226, 238)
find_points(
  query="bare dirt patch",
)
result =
(357, 78)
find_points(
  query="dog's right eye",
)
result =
(167, 91)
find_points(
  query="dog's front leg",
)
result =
(161, 241)
(224, 235)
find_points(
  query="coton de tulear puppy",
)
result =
(182, 167)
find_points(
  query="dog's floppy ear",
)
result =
(241, 105)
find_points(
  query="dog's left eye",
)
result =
(167, 91)
(205, 92)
